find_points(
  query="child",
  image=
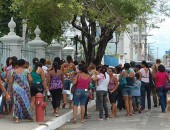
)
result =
(136, 94)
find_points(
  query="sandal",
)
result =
(16, 121)
(56, 115)
(64, 105)
(112, 116)
(82, 121)
(73, 121)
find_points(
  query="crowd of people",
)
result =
(123, 86)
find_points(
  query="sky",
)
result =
(160, 39)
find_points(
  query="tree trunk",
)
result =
(107, 35)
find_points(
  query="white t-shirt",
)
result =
(103, 82)
(45, 69)
(145, 76)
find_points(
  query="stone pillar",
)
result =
(12, 42)
(55, 48)
(38, 44)
(68, 50)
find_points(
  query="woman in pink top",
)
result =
(113, 93)
(82, 81)
(161, 78)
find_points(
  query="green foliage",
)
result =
(5, 15)
(50, 15)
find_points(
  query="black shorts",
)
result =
(36, 88)
(113, 97)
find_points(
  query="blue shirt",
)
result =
(136, 88)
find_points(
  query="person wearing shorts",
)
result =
(113, 93)
(136, 94)
(82, 82)
(127, 89)
(38, 81)
(69, 71)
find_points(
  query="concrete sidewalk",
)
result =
(51, 122)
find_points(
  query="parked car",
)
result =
(134, 63)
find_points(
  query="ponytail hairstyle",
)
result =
(35, 62)
(55, 66)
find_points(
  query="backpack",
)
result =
(129, 79)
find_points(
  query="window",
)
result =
(135, 29)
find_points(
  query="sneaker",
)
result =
(100, 119)
(107, 118)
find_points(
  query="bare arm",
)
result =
(29, 78)
(43, 78)
(49, 78)
(116, 84)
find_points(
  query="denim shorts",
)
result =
(127, 91)
(67, 84)
(80, 97)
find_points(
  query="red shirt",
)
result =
(83, 83)
(161, 78)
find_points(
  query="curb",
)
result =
(60, 121)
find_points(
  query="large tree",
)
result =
(5, 15)
(85, 15)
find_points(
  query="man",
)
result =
(154, 71)
(69, 71)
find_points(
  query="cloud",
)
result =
(161, 37)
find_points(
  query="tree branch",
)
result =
(73, 22)
(106, 32)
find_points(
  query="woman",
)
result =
(120, 101)
(113, 93)
(137, 70)
(161, 78)
(55, 80)
(127, 89)
(38, 81)
(19, 87)
(101, 91)
(82, 82)
(145, 88)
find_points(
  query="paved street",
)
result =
(148, 120)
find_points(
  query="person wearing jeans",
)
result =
(82, 81)
(101, 91)
(145, 88)
(161, 78)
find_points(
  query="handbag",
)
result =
(167, 86)
(73, 89)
